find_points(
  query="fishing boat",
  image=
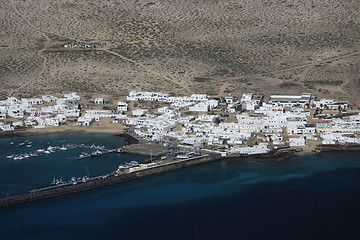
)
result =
(57, 182)
(97, 153)
(182, 156)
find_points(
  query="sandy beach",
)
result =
(114, 129)
(92, 129)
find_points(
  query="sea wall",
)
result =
(338, 148)
(102, 182)
(113, 178)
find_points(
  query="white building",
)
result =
(32, 101)
(123, 107)
(330, 104)
(99, 101)
(85, 121)
(2, 115)
(49, 98)
(164, 97)
(297, 142)
(290, 100)
(72, 96)
(140, 112)
(230, 99)
(251, 101)
(6, 127)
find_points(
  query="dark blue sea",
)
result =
(311, 196)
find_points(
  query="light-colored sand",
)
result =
(92, 129)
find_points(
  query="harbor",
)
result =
(99, 151)
(129, 172)
(101, 181)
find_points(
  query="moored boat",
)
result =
(97, 153)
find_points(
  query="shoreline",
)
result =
(279, 155)
(114, 178)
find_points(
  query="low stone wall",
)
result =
(338, 148)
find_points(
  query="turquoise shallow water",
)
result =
(311, 196)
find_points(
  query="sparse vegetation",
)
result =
(194, 46)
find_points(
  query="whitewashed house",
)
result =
(123, 107)
(2, 115)
(6, 127)
(85, 121)
(15, 111)
(32, 101)
(99, 101)
(297, 141)
(48, 98)
(72, 96)
(140, 112)
(53, 122)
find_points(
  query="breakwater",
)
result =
(116, 178)
(101, 181)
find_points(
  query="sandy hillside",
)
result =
(214, 47)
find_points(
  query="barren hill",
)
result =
(214, 47)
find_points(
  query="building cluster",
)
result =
(284, 120)
(246, 125)
(38, 112)
(84, 45)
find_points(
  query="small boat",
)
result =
(40, 150)
(119, 150)
(97, 153)
(21, 144)
(47, 152)
(28, 145)
(10, 156)
(12, 143)
(63, 148)
(56, 182)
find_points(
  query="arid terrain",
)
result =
(202, 46)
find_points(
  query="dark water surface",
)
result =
(312, 196)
